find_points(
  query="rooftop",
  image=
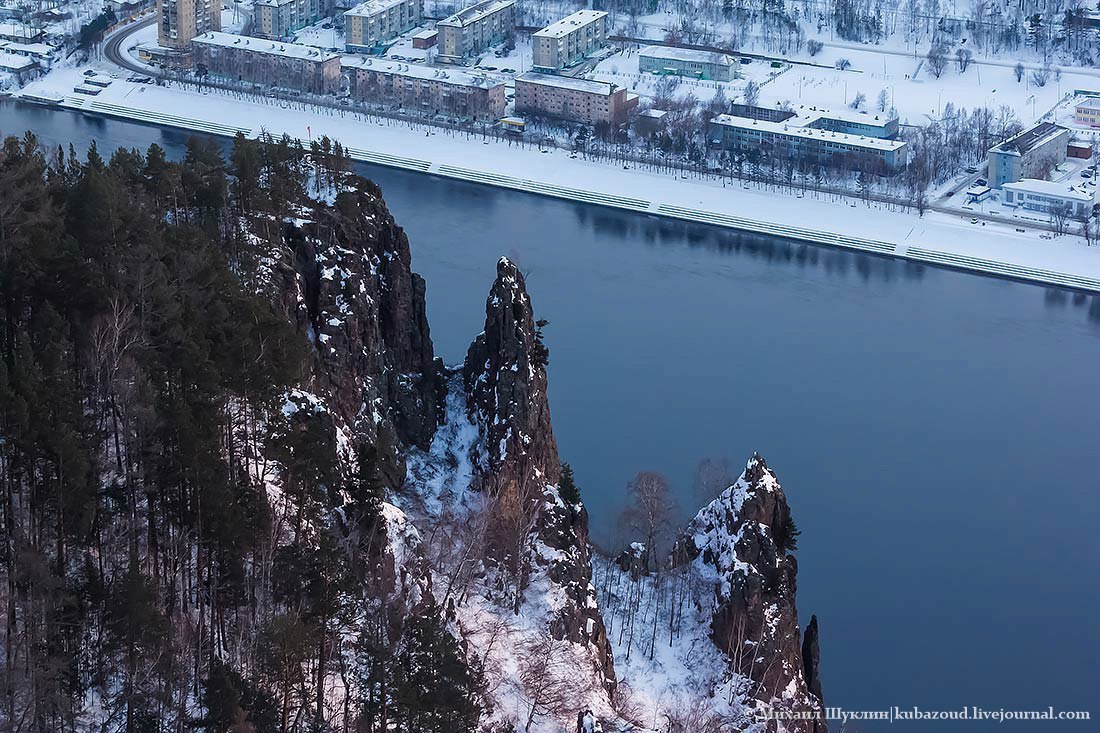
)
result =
(794, 129)
(1090, 103)
(444, 76)
(1029, 139)
(370, 7)
(568, 82)
(570, 23)
(11, 62)
(476, 12)
(687, 54)
(257, 45)
(1051, 188)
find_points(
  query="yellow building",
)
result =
(1087, 112)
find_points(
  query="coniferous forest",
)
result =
(170, 558)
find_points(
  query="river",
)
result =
(936, 432)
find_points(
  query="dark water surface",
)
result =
(937, 433)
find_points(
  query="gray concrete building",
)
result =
(370, 25)
(1032, 153)
(568, 41)
(469, 32)
(429, 90)
(280, 18)
(270, 63)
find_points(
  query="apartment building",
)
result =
(432, 91)
(178, 21)
(568, 41)
(576, 100)
(794, 137)
(469, 32)
(271, 63)
(687, 62)
(280, 18)
(368, 26)
(1030, 154)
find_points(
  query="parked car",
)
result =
(950, 194)
(980, 182)
(971, 169)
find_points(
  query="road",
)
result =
(115, 52)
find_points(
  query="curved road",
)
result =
(114, 51)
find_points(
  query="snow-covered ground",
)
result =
(821, 217)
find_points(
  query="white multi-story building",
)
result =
(470, 31)
(801, 137)
(369, 25)
(569, 40)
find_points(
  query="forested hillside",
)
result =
(240, 492)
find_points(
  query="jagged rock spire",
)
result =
(505, 381)
(505, 375)
(741, 543)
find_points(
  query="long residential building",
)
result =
(576, 100)
(272, 63)
(178, 21)
(1050, 197)
(368, 26)
(280, 18)
(470, 31)
(687, 62)
(1029, 154)
(792, 138)
(568, 41)
(432, 91)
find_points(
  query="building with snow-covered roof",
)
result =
(1051, 197)
(687, 62)
(20, 32)
(279, 18)
(472, 30)
(1031, 153)
(791, 137)
(429, 90)
(260, 61)
(850, 122)
(368, 26)
(569, 40)
(576, 100)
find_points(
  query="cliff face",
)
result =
(533, 530)
(351, 290)
(739, 544)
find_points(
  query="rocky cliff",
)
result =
(350, 288)
(740, 545)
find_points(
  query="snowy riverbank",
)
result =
(937, 239)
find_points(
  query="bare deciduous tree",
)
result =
(650, 510)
